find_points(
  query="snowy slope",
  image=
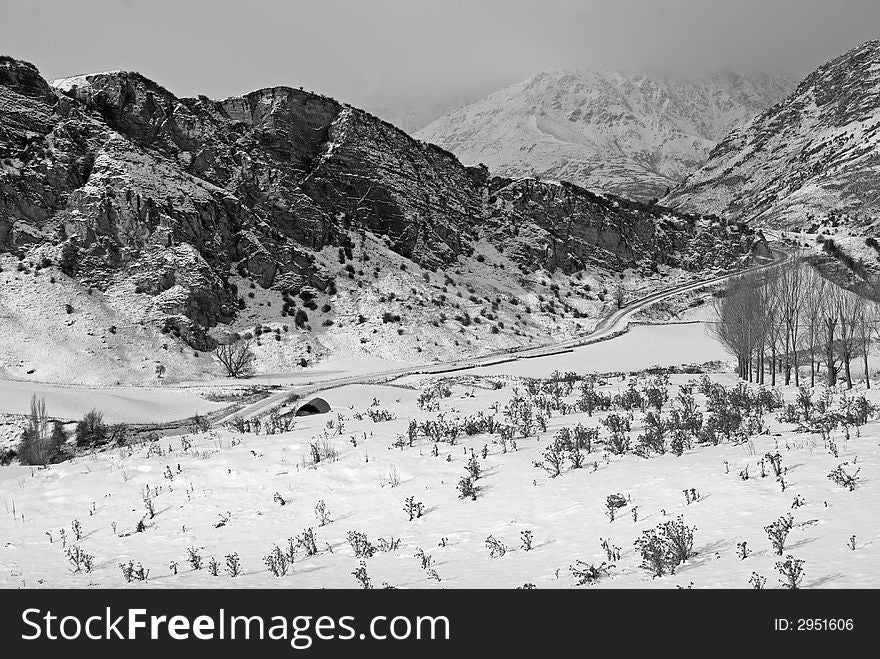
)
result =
(812, 157)
(221, 475)
(628, 134)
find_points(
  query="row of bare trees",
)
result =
(780, 320)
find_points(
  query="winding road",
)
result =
(611, 325)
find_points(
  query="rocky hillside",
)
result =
(812, 158)
(627, 134)
(133, 218)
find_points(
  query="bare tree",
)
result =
(36, 445)
(237, 357)
(775, 326)
(738, 325)
(816, 288)
(620, 295)
(792, 298)
(829, 319)
(866, 331)
(850, 309)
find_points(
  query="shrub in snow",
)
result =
(496, 547)
(778, 531)
(429, 399)
(655, 392)
(757, 581)
(587, 573)
(666, 547)
(322, 512)
(590, 398)
(691, 495)
(363, 579)
(413, 508)
(148, 502)
(654, 436)
(679, 441)
(390, 544)
(194, 559)
(840, 476)
(775, 461)
(654, 553)
(362, 547)
(425, 559)
(553, 458)
(611, 551)
(680, 539)
(792, 572)
(306, 542)
(91, 429)
(613, 502)
(79, 560)
(584, 437)
(276, 561)
(466, 488)
(322, 451)
(132, 572)
(378, 416)
(576, 458)
(618, 426)
(392, 479)
(473, 467)
(630, 398)
(233, 565)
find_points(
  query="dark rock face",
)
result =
(571, 228)
(134, 185)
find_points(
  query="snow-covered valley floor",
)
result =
(226, 494)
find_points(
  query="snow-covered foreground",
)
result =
(119, 404)
(224, 493)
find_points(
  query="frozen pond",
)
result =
(642, 347)
(132, 405)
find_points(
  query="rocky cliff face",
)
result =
(129, 188)
(631, 135)
(812, 157)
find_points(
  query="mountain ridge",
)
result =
(179, 222)
(628, 134)
(812, 157)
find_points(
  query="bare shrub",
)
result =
(778, 532)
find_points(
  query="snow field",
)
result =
(223, 474)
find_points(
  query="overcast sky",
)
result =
(411, 52)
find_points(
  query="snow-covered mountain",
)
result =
(628, 134)
(812, 157)
(186, 220)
